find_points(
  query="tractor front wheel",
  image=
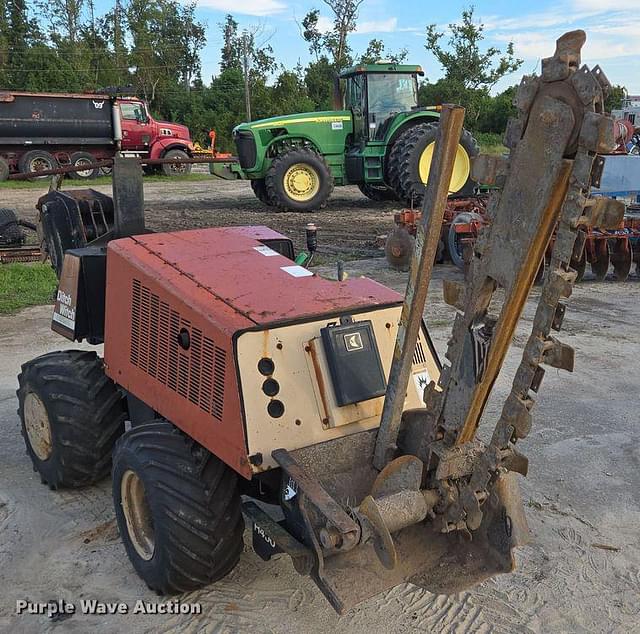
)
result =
(299, 180)
(71, 414)
(410, 162)
(260, 190)
(177, 508)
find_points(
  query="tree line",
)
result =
(155, 46)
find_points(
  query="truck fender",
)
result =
(159, 148)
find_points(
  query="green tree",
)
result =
(334, 43)
(230, 55)
(469, 73)
(461, 59)
(496, 111)
(614, 98)
(289, 93)
(165, 41)
(376, 51)
(319, 80)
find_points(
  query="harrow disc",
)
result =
(621, 258)
(579, 265)
(601, 261)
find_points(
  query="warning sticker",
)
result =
(421, 380)
(297, 271)
(266, 250)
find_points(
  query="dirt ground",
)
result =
(581, 572)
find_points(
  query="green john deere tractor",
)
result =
(381, 141)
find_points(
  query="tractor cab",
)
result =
(376, 93)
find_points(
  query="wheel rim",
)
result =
(301, 182)
(83, 173)
(37, 426)
(177, 168)
(461, 167)
(39, 164)
(137, 514)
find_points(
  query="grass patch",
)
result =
(490, 143)
(23, 285)
(101, 180)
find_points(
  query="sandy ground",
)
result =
(583, 489)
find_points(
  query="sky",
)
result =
(533, 27)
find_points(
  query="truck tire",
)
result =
(10, 231)
(299, 180)
(4, 169)
(83, 158)
(177, 508)
(36, 161)
(176, 169)
(260, 190)
(378, 193)
(410, 160)
(71, 414)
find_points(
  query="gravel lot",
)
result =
(582, 493)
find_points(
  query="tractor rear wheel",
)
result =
(299, 180)
(379, 193)
(410, 161)
(71, 413)
(177, 508)
(260, 190)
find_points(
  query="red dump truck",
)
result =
(42, 131)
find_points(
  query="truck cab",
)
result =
(142, 134)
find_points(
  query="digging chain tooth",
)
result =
(566, 57)
(602, 79)
(513, 133)
(586, 86)
(515, 421)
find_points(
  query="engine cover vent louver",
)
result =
(419, 356)
(196, 374)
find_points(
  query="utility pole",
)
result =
(245, 72)
(117, 36)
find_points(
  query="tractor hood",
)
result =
(325, 131)
(334, 119)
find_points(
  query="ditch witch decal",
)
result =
(64, 311)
